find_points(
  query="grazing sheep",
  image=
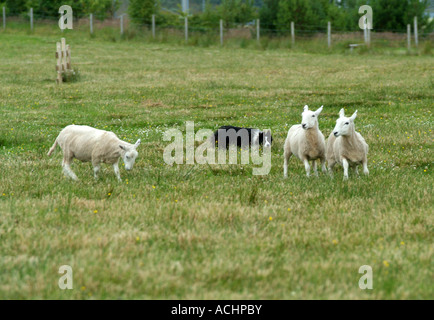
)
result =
(346, 146)
(89, 144)
(306, 142)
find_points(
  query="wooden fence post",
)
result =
(63, 62)
(329, 34)
(68, 57)
(153, 26)
(408, 37)
(122, 24)
(221, 32)
(63, 55)
(416, 40)
(292, 33)
(365, 33)
(186, 28)
(368, 35)
(91, 23)
(4, 18)
(59, 79)
(258, 30)
(31, 19)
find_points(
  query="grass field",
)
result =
(201, 232)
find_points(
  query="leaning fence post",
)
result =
(122, 24)
(68, 57)
(292, 33)
(4, 18)
(221, 32)
(91, 23)
(329, 34)
(59, 63)
(408, 37)
(153, 26)
(63, 61)
(186, 28)
(416, 40)
(63, 54)
(31, 19)
(258, 30)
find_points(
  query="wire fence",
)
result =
(223, 32)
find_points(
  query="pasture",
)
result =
(212, 232)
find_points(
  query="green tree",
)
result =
(47, 8)
(298, 11)
(268, 14)
(50, 8)
(141, 11)
(100, 8)
(237, 11)
(210, 17)
(394, 15)
(15, 7)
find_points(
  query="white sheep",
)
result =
(306, 142)
(89, 144)
(346, 146)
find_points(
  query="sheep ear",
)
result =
(137, 143)
(122, 147)
(354, 116)
(317, 112)
(305, 108)
(342, 113)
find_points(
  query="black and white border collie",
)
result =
(252, 137)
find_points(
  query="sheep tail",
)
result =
(52, 148)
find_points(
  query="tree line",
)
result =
(275, 15)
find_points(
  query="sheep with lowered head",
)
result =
(306, 142)
(97, 146)
(346, 146)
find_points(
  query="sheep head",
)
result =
(344, 125)
(310, 118)
(129, 154)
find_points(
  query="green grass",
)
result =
(201, 232)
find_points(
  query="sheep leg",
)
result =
(307, 167)
(365, 167)
(314, 167)
(116, 168)
(96, 168)
(323, 165)
(356, 170)
(286, 157)
(331, 165)
(345, 165)
(66, 164)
